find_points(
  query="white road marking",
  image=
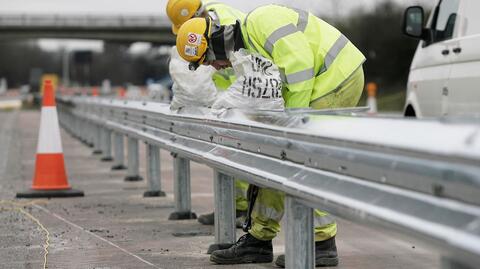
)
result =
(97, 236)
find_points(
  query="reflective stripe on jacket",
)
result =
(313, 57)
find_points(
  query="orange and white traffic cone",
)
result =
(372, 97)
(95, 91)
(50, 179)
(121, 93)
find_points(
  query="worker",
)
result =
(321, 69)
(180, 11)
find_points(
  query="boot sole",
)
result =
(245, 259)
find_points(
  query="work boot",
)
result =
(325, 254)
(209, 219)
(247, 249)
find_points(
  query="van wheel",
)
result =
(410, 112)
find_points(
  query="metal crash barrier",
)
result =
(418, 177)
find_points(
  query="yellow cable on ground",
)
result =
(19, 207)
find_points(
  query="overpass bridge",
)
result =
(112, 28)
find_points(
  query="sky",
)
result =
(157, 7)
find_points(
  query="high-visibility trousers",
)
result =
(241, 201)
(269, 205)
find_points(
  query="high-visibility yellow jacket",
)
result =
(226, 15)
(314, 58)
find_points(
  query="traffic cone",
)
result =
(372, 97)
(95, 91)
(121, 93)
(50, 179)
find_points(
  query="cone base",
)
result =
(50, 193)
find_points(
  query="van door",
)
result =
(431, 65)
(464, 82)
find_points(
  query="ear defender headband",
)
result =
(217, 44)
(200, 10)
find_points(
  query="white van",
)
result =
(445, 73)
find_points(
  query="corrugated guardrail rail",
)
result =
(419, 177)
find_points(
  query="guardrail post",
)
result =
(89, 133)
(76, 128)
(133, 173)
(118, 151)
(450, 263)
(153, 172)
(181, 189)
(85, 132)
(86, 135)
(300, 251)
(107, 145)
(224, 192)
(97, 139)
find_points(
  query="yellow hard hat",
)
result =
(192, 43)
(180, 11)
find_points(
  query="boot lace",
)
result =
(242, 239)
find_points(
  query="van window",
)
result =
(446, 18)
(472, 18)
